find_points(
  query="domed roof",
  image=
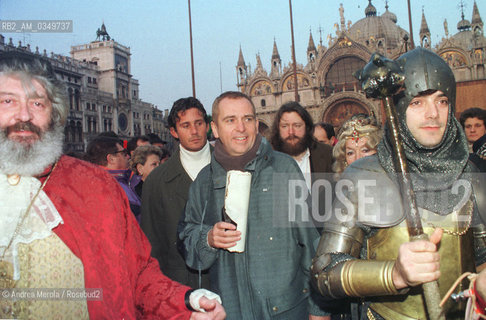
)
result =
(389, 15)
(464, 24)
(467, 40)
(377, 27)
(370, 10)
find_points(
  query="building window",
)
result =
(94, 80)
(341, 72)
(340, 76)
(88, 106)
(71, 99)
(77, 100)
(263, 102)
(107, 125)
(79, 131)
(89, 79)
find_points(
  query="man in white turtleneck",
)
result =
(166, 190)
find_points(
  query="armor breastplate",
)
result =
(456, 257)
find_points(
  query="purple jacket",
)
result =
(127, 183)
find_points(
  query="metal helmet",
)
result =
(424, 70)
(438, 167)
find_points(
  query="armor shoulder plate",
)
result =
(366, 192)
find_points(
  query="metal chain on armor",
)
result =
(469, 211)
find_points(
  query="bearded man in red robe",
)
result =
(69, 245)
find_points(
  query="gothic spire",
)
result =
(424, 32)
(275, 54)
(241, 70)
(476, 22)
(311, 46)
(424, 27)
(241, 60)
(276, 62)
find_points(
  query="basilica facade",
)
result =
(102, 93)
(326, 85)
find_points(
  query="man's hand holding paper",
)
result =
(223, 235)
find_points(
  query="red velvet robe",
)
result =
(101, 231)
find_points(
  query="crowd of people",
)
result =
(150, 227)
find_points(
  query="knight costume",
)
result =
(359, 245)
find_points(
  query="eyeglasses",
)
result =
(123, 152)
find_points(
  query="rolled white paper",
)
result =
(236, 201)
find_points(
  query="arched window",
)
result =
(340, 75)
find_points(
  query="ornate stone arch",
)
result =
(304, 81)
(455, 57)
(260, 86)
(338, 52)
(342, 105)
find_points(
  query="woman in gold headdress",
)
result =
(357, 138)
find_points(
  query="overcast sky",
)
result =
(157, 33)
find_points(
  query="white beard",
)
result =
(31, 160)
